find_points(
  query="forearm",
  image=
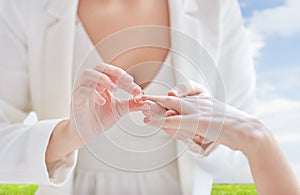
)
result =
(271, 171)
(63, 141)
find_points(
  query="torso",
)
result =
(103, 18)
(129, 145)
(146, 153)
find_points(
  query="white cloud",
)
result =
(278, 82)
(282, 117)
(243, 4)
(257, 42)
(280, 111)
(281, 20)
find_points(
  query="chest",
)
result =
(131, 34)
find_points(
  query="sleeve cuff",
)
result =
(57, 173)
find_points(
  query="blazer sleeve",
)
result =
(236, 60)
(236, 67)
(23, 139)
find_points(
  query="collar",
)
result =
(61, 8)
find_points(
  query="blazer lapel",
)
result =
(180, 24)
(58, 57)
(191, 61)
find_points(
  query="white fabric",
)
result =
(92, 175)
(36, 49)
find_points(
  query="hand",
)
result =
(202, 116)
(200, 144)
(189, 88)
(151, 109)
(94, 109)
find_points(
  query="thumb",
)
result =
(189, 88)
(125, 106)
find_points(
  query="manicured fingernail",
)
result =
(100, 101)
(138, 97)
(113, 86)
(136, 90)
(168, 114)
(172, 93)
(146, 120)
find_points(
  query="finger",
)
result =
(178, 133)
(203, 149)
(145, 108)
(133, 105)
(137, 98)
(171, 113)
(151, 109)
(188, 88)
(201, 140)
(99, 99)
(173, 122)
(180, 122)
(121, 78)
(84, 93)
(128, 105)
(207, 145)
(113, 72)
(94, 87)
(97, 80)
(108, 95)
(196, 148)
(80, 95)
(171, 103)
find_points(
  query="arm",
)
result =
(93, 109)
(235, 62)
(44, 151)
(240, 131)
(23, 139)
(271, 171)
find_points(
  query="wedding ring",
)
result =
(138, 96)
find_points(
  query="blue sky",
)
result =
(274, 26)
(278, 64)
(249, 6)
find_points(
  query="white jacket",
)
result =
(36, 52)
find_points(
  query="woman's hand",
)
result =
(201, 118)
(94, 109)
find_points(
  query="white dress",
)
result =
(130, 158)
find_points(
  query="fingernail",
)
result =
(138, 97)
(137, 91)
(100, 101)
(173, 93)
(113, 86)
(146, 120)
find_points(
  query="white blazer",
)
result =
(36, 53)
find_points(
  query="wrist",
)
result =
(254, 137)
(62, 142)
(71, 135)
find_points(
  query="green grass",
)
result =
(17, 189)
(218, 189)
(234, 189)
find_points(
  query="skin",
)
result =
(102, 18)
(93, 90)
(240, 131)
